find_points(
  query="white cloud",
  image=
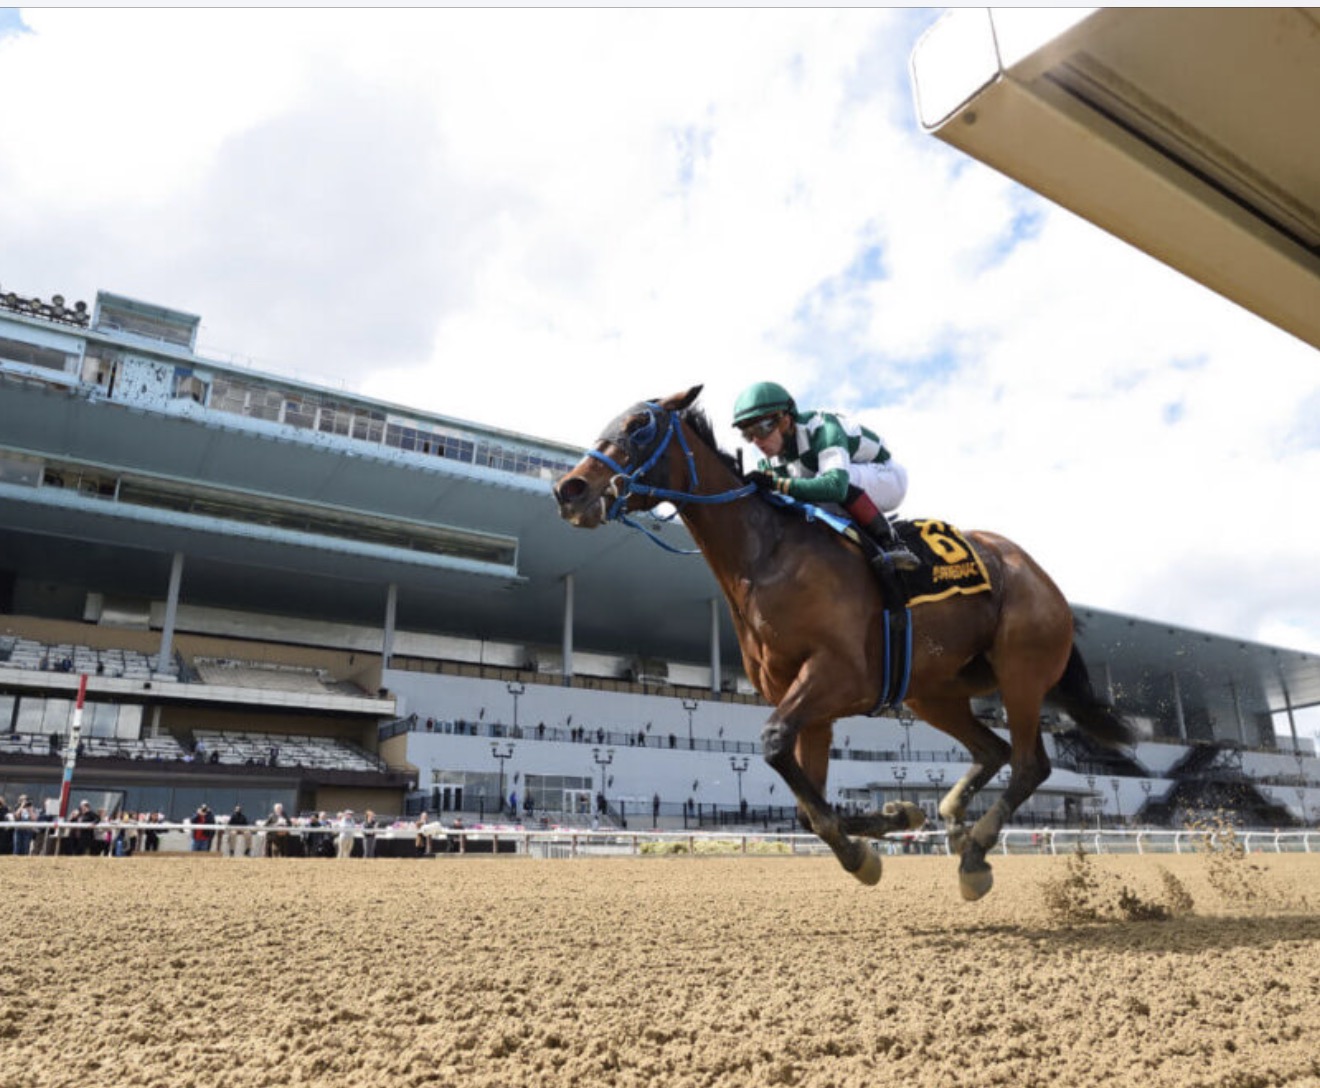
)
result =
(533, 217)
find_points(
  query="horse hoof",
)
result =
(871, 867)
(905, 811)
(975, 883)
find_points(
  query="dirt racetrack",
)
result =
(203, 972)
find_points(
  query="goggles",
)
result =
(759, 428)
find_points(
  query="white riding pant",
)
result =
(886, 484)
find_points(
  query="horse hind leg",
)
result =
(893, 816)
(989, 753)
(1030, 767)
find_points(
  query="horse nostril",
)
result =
(570, 489)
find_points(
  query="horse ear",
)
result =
(681, 401)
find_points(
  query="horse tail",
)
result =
(1075, 696)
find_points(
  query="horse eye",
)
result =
(635, 425)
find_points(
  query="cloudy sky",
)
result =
(531, 218)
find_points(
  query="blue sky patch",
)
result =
(831, 328)
(11, 22)
(1026, 224)
(1174, 412)
(693, 146)
(868, 266)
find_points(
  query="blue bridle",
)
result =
(648, 444)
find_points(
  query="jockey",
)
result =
(820, 457)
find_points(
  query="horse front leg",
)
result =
(779, 743)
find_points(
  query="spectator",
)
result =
(6, 828)
(321, 844)
(84, 836)
(201, 833)
(151, 837)
(421, 841)
(369, 826)
(513, 804)
(124, 841)
(103, 840)
(278, 840)
(240, 830)
(24, 813)
(347, 831)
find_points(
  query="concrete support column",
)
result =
(171, 613)
(1109, 684)
(1178, 707)
(1237, 713)
(715, 646)
(568, 630)
(1292, 722)
(387, 636)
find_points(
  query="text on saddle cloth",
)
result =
(949, 563)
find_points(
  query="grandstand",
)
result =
(279, 592)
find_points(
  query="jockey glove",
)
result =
(764, 481)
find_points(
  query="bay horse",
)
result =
(807, 609)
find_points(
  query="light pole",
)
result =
(502, 756)
(1090, 785)
(602, 761)
(1114, 783)
(900, 773)
(1146, 786)
(515, 688)
(906, 723)
(690, 705)
(936, 779)
(739, 766)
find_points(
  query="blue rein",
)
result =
(632, 481)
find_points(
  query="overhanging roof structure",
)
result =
(1187, 132)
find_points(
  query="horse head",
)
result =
(629, 461)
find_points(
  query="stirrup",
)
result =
(898, 557)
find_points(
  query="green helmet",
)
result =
(761, 399)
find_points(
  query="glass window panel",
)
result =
(31, 714)
(129, 724)
(17, 469)
(58, 715)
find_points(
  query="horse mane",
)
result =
(697, 419)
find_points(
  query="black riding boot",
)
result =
(869, 516)
(882, 532)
